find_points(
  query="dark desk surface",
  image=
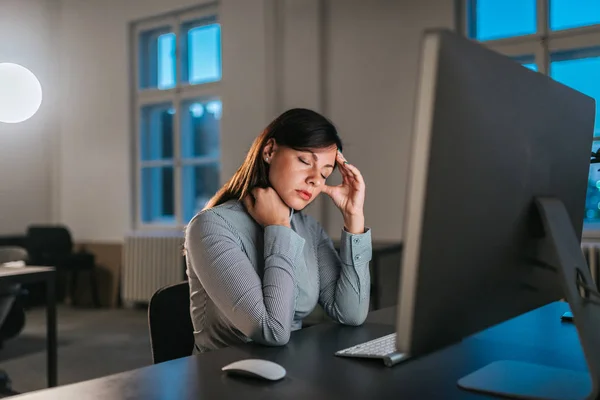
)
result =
(315, 373)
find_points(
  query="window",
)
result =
(582, 73)
(559, 38)
(178, 108)
(567, 14)
(493, 19)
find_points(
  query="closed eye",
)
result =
(303, 161)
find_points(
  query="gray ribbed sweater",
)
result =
(249, 283)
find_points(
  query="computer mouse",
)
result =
(256, 368)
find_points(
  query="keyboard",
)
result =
(383, 348)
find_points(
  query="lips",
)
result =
(304, 194)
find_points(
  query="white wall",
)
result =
(95, 142)
(364, 83)
(29, 36)
(372, 70)
(300, 75)
(356, 61)
(247, 79)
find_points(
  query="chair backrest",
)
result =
(170, 324)
(48, 243)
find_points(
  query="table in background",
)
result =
(29, 274)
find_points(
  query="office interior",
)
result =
(148, 106)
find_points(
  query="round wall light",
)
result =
(20, 93)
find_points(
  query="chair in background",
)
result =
(170, 323)
(12, 314)
(51, 245)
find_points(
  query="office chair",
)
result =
(170, 323)
(52, 245)
(12, 314)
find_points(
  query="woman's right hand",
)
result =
(267, 208)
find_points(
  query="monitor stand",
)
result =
(560, 250)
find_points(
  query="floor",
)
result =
(91, 344)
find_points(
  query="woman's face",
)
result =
(299, 176)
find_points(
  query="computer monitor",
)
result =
(499, 167)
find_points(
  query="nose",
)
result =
(314, 178)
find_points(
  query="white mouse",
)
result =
(256, 368)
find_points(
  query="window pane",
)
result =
(200, 183)
(531, 66)
(157, 191)
(166, 61)
(592, 200)
(156, 136)
(203, 51)
(565, 14)
(498, 19)
(157, 59)
(582, 74)
(200, 127)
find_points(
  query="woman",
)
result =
(256, 265)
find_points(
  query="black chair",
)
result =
(170, 324)
(51, 245)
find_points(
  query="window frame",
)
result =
(180, 93)
(542, 45)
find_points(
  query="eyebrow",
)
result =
(317, 159)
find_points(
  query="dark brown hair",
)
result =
(299, 129)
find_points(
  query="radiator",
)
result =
(150, 261)
(591, 251)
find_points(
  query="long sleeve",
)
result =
(261, 309)
(345, 278)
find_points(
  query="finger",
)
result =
(343, 165)
(248, 202)
(340, 158)
(328, 190)
(355, 173)
(349, 178)
(257, 192)
(346, 174)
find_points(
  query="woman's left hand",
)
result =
(349, 197)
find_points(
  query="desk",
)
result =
(29, 274)
(315, 373)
